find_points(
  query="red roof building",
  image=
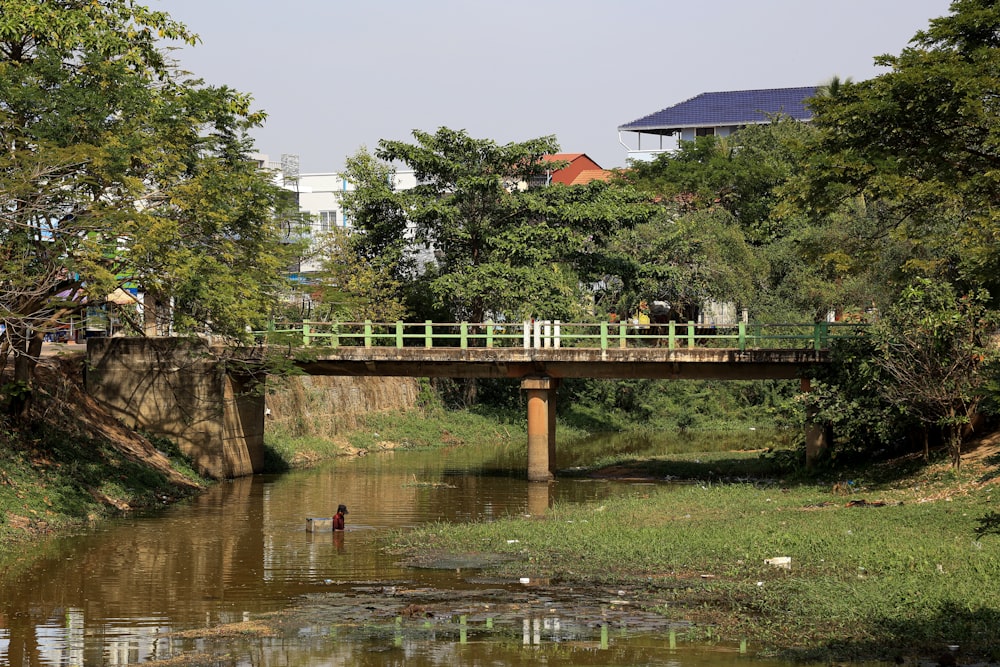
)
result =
(580, 169)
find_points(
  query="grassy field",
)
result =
(417, 428)
(889, 563)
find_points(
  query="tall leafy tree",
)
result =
(118, 170)
(935, 350)
(741, 173)
(919, 144)
(497, 241)
(687, 260)
(350, 288)
(916, 151)
(731, 236)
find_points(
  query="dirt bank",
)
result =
(327, 407)
(70, 461)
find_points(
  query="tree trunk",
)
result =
(470, 392)
(955, 445)
(149, 323)
(27, 348)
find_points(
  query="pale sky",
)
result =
(334, 75)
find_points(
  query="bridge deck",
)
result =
(652, 362)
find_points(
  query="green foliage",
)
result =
(924, 368)
(117, 170)
(920, 141)
(436, 428)
(731, 233)
(663, 405)
(284, 451)
(841, 262)
(502, 247)
(686, 262)
(353, 288)
(742, 173)
(50, 478)
(936, 351)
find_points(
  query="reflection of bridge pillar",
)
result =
(817, 435)
(539, 496)
(541, 427)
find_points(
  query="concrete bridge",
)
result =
(153, 383)
(540, 370)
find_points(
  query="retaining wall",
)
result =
(180, 389)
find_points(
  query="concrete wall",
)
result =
(327, 406)
(179, 389)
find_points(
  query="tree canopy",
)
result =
(496, 242)
(935, 349)
(119, 171)
(920, 143)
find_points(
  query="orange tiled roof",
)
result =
(588, 175)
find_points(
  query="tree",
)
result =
(353, 289)
(741, 173)
(920, 143)
(118, 171)
(685, 260)
(733, 237)
(501, 245)
(936, 350)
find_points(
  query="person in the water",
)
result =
(338, 518)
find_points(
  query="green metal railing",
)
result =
(553, 334)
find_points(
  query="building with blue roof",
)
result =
(719, 114)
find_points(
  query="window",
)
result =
(704, 132)
(327, 221)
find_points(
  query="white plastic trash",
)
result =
(784, 562)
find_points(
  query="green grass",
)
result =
(50, 480)
(432, 428)
(419, 428)
(903, 579)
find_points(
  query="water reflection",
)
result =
(113, 595)
(108, 595)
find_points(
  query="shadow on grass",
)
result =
(785, 467)
(989, 524)
(274, 461)
(994, 472)
(70, 475)
(952, 634)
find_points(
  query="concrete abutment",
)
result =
(180, 389)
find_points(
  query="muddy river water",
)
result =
(133, 590)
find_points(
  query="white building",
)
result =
(320, 196)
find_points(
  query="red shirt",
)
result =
(338, 521)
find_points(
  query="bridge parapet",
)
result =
(514, 362)
(545, 334)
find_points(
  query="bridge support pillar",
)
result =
(541, 427)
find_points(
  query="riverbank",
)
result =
(896, 561)
(70, 463)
